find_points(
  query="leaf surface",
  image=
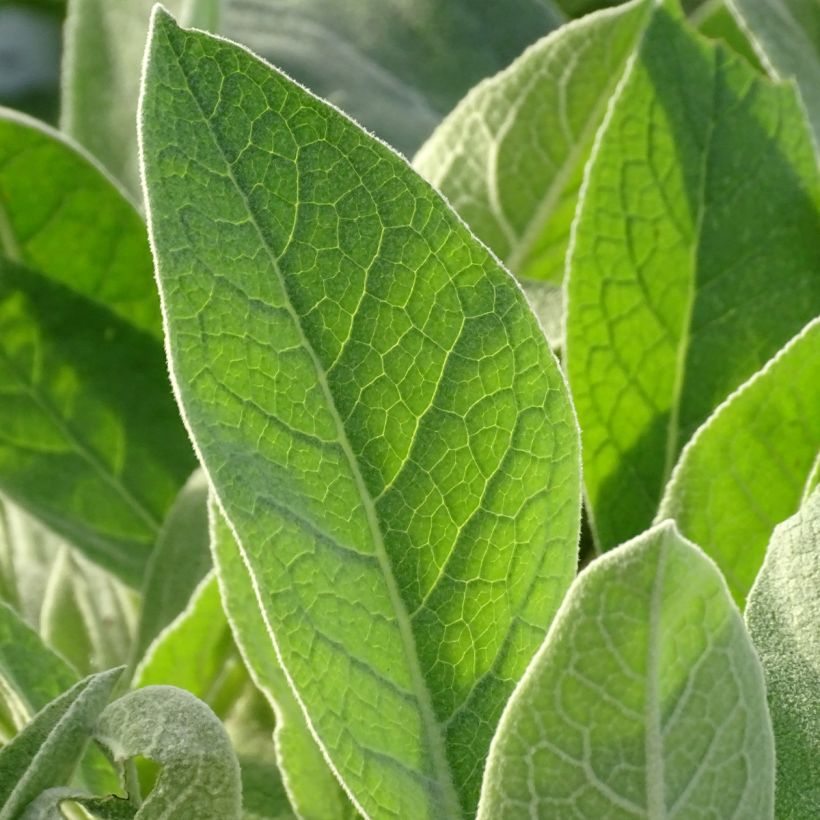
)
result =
(47, 751)
(180, 560)
(510, 157)
(783, 617)
(786, 36)
(746, 468)
(63, 217)
(312, 788)
(91, 442)
(376, 408)
(396, 66)
(199, 777)
(683, 278)
(31, 674)
(646, 699)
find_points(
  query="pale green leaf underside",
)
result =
(783, 617)
(199, 777)
(62, 216)
(397, 67)
(378, 412)
(786, 36)
(312, 788)
(90, 439)
(646, 700)
(510, 157)
(179, 561)
(31, 674)
(747, 467)
(47, 751)
(694, 260)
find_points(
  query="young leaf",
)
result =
(377, 410)
(49, 805)
(683, 279)
(746, 468)
(180, 560)
(199, 779)
(312, 788)
(193, 650)
(61, 216)
(31, 674)
(47, 751)
(510, 157)
(396, 66)
(91, 441)
(784, 620)
(102, 55)
(786, 36)
(646, 700)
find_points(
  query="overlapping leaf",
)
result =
(748, 466)
(370, 393)
(646, 700)
(684, 276)
(784, 620)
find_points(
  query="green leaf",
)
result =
(783, 617)
(102, 55)
(786, 36)
(646, 700)
(178, 563)
(61, 216)
(714, 19)
(683, 279)
(397, 66)
(746, 468)
(192, 651)
(199, 778)
(370, 393)
(313, 789)
(47, 751)
(87, 614)
(31, 674)
(91, 442)
(510, 157)
(48, 805)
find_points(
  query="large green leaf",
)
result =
(62, 216)
(397, 66)
(510, 157)
(747, 467)
(784, 620)
(646, 700)
(102, 54)
(31, 674)
(786, 36)
(47, 751)
(91, 442)
(199, 777)
(694, 260)
(378, 412)
(180, 560)
(313, 790)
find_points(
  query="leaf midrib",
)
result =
(451, 804)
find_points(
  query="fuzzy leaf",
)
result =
(180, 560)
(47, 751)
(684, 279)
(313, 789)
(199, 777)
(377, 410)
(510, 157)
(646, 700)
(784, 620)
(747, 467)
